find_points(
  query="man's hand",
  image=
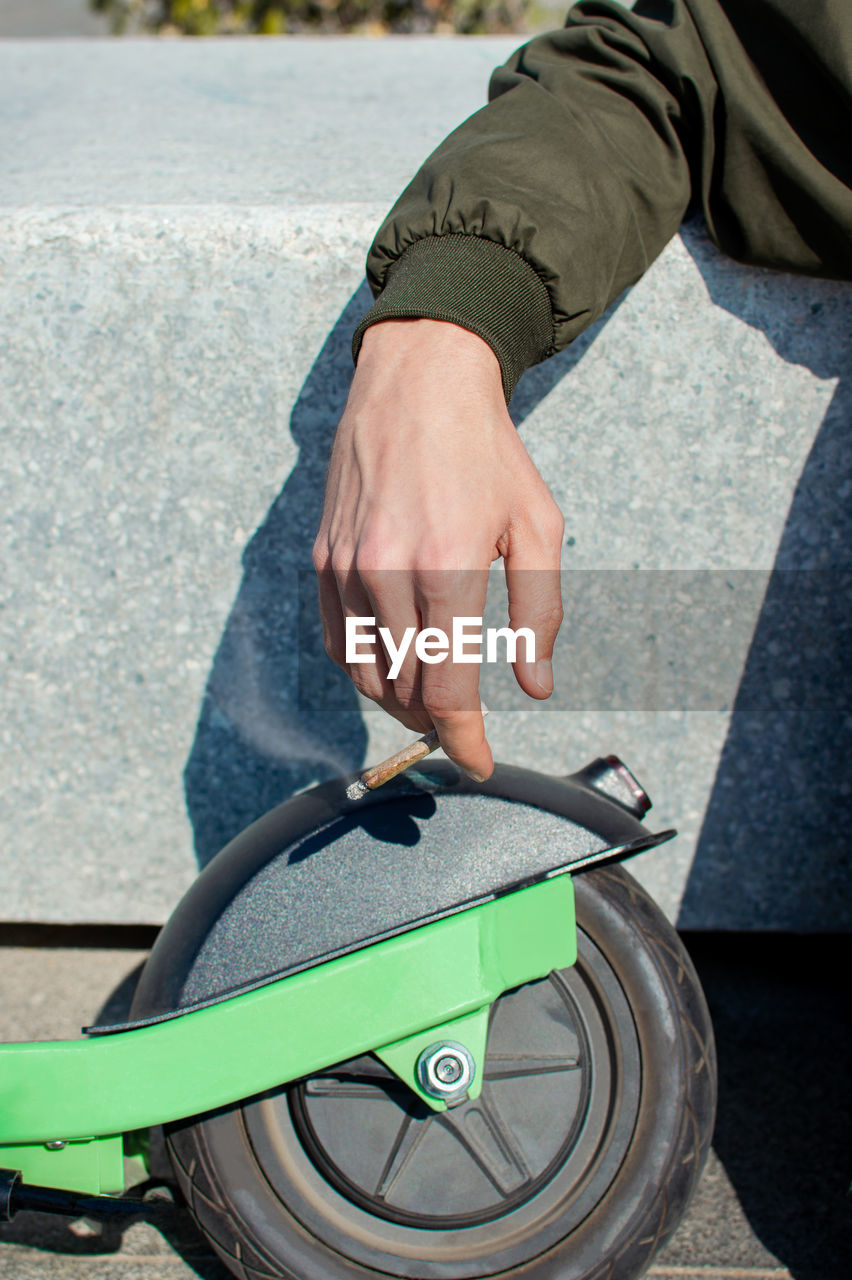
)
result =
(428, 484)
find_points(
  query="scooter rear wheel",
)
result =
(576, 1163)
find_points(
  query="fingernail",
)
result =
(477, 777)
(544, 674)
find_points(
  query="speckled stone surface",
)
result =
(182, 237)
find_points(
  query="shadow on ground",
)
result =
(781, 1015)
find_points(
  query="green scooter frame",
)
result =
(67, 1108)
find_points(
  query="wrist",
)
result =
(422, 377)
(427, 358)
(437, 340)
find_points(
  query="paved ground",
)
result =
(773, 1200)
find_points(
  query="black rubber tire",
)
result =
(629, 1197)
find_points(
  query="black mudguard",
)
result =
(323, 875)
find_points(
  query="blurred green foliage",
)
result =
(279, 17)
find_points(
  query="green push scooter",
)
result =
(430, 1031)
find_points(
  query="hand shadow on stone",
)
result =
(258, 739)
(277, 714)
(775, 840)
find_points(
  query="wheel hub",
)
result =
(446, 1071)
(541, 1104)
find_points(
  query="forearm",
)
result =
(571, 180)
(541, 208)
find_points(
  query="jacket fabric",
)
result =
(598, 139)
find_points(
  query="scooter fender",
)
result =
(322, 875)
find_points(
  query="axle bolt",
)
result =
(448, 1069)
(445, 1070)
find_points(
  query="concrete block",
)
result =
(182, 236)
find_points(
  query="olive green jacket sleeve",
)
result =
(533, 215)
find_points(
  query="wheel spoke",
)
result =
(362, 1078)
(508, 1066)
(480, 1129)
(363, 1090)
(409, 1136)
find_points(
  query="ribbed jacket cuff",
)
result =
(475, 283)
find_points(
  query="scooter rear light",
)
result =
(612, 778)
